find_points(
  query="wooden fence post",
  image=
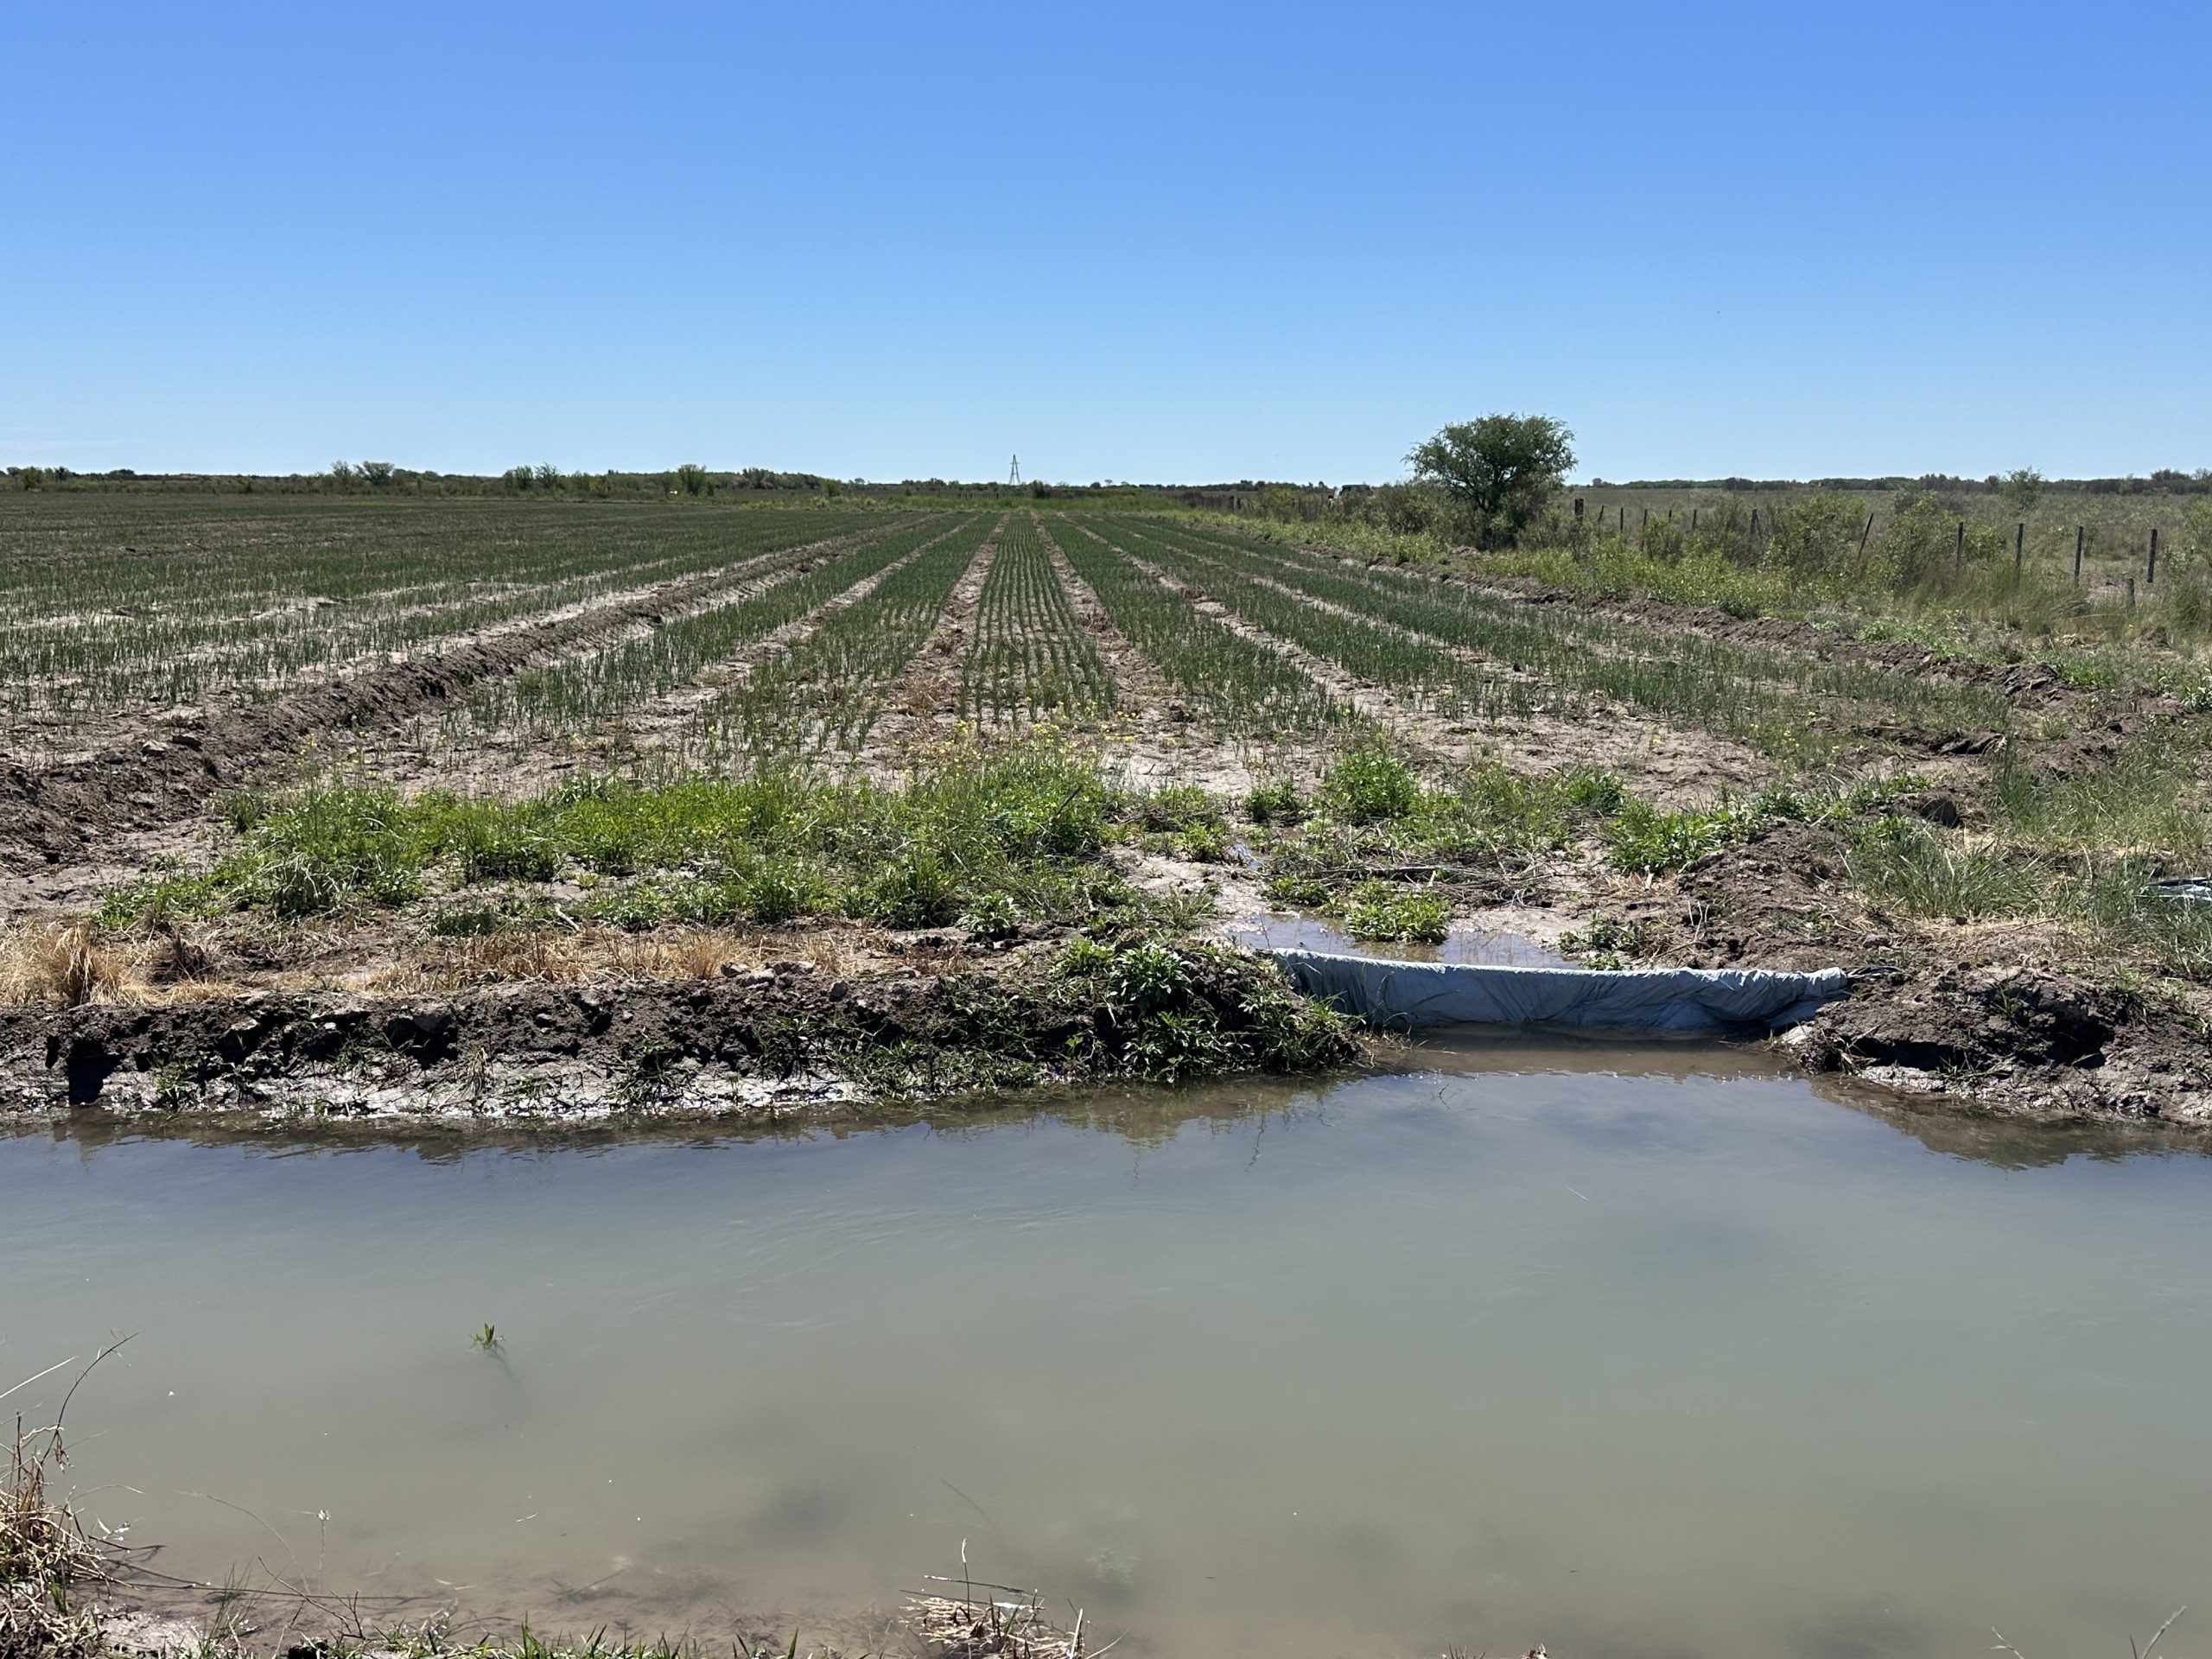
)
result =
(2077, 556)
(1865, 533)
(2131, 593)
(2020, 545)
(1624, 519)
(2151, 580)
(1959, 549)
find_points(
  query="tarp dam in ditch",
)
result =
(1410, 996)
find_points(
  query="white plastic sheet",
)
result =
(1407, 995)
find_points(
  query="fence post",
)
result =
(2077, 556)
(1959, 549)
(2020, 545)
(1865, 533)
(1692, 518)
(2131, 593)
(2151, 580)
(1624, 520)
(1644, 523)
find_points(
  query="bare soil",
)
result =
(739, 1043)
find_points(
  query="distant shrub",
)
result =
(1815, 535)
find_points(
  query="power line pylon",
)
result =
(1014, 474)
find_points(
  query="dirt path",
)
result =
(53, 814)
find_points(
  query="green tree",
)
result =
(1500, 470)
(377, 472)
(342, 474)
(2022, 488)
(691, 478)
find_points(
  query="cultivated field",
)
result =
(827, 799)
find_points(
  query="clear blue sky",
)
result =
(1188, 242)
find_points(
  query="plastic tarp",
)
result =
(1412, 995)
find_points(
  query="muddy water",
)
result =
(1673, 1357)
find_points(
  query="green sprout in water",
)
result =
(487, 1339)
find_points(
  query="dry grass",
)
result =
(956, 1627)
(686, 955)
(57, 962)
(49, 1567)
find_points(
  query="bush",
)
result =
(1815, 535)
(915, 890)
(1368, 785)
(1275, 802)
(1645, 841)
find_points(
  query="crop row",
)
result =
(105, 612)
(608, 685)
(1415, 668)
(1762, 695)
(824, 692)
(1029, 658)
(1242, 688)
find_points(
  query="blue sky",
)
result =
(1137, 241)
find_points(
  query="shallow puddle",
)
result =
(1626, 1351)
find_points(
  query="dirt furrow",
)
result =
(57, 813)
(923, 703)
(1138, 683)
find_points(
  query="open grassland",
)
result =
(922, 800)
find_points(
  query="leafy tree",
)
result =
(691, 478)
(378, 472)
(31, 478)
(1500, 470)
(549, 477)
(2022, 489)
(516, 478)
(342, 474)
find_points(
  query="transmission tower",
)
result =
(1014, 474)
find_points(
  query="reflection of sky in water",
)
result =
(1618, 1348)
(1466, 942)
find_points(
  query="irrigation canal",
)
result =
(1649, 1351)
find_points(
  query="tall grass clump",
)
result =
(1919, 870)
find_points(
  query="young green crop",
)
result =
(1029, 659)
(1242, 688)
(117, 606)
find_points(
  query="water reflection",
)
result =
(1150, 1114)
(1630, 1349)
